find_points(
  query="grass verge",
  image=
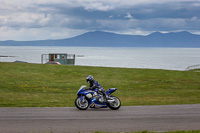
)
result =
(37, 85)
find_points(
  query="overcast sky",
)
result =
(56, 19)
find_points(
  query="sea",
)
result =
(123, 57)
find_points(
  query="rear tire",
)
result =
(114, 105)
(81, 105)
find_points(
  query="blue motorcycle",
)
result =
(88, 98)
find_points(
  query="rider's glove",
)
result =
(101, 89)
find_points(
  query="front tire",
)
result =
(114, 105)
(82, 105)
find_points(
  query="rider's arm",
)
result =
(91, 88)
(96, 85)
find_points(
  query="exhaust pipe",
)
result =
(111, 100)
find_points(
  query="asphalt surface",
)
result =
(126, 119)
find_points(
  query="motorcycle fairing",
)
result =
(96, 104)
(110, 91)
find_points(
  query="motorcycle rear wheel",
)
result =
(114, 105)
(80, 104)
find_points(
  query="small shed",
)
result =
(62, 58)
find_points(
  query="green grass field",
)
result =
(39, 85)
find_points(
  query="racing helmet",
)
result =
(89, 79)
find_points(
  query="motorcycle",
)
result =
(89, 98)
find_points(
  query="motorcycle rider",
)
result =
(95, 86)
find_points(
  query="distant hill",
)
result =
(107, 39)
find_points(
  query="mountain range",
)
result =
(107, 39)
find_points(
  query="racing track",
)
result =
(134, 118)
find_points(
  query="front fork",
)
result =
(82, 99)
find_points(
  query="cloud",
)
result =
(97, 6)
(26, 34)
(128, 15)
(37, 19)
(25, 19)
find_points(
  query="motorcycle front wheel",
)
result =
(82, 105)
(115, 104)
